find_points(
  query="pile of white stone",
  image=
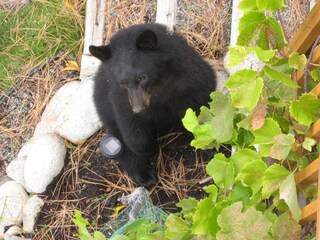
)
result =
(69, 115)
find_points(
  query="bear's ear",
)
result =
(101, 52)
(147, 40)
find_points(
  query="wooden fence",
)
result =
(301, 42)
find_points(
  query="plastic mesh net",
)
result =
(137, 206)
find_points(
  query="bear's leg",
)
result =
(137, 168)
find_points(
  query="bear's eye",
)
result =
(142, 79)
(123, 84)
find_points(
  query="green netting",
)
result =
(137, 206)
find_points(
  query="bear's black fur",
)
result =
(147, 79)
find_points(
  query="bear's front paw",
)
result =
(144, 176)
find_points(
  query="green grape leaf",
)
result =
(236, 55)
(240, 193)
(274, 33)
(177, 228)
(258, 30)
(280, 76)
(82, 224)
(242, 157)
(282, 146)
(297, 61)
(190, 120)
(288, 193)
(245, 138)
(308, 143)
(188, 206)
(264, 55)
(245, 88)
(247, 5)
(205, 217)
(272, 179)
(251, 175)
(265, 136)
(250, 224)
(306, 109)
(203, 137)
(286, 228)
(251, 26)
(97, 235)
(270, 5)
(212, 190)
(315, 74)
(205, 115)
(221, 170)
(222, 121)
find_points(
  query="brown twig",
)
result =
(282, 25)
(306, 70)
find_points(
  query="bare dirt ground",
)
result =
(89, 182)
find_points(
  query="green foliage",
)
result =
(306, 109)
(83, 232)
(261, 109)
(316, 74)
(297, 61)
(245, 88)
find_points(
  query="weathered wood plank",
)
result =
(314, 131)
(309, 213)
(94, 29)
(318, 207)
(307, 32)
(308, 175)
(236, 15)
(316, 90)
(167, 13)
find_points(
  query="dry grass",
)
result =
(124, 13)
(203, 22)
(206, 25)
(294, 15)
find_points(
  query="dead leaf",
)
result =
(259, 113)
(68, 4)
(117, 210)
(71, 66)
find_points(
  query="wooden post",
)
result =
(236, 15)
(167, 12)
(94, 28)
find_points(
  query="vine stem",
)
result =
(282, 25)
(306, 70)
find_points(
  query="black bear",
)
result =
(147, 79)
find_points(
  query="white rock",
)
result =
(56, 105)
(15, 170)
(1, 231)
(12, 231)
(12, 198)
(24, 151)
(45, 161)
(30, 213)
(79, 119)
(15, 238)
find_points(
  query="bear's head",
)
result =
(133, 61)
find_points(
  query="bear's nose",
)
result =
(137, 109)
